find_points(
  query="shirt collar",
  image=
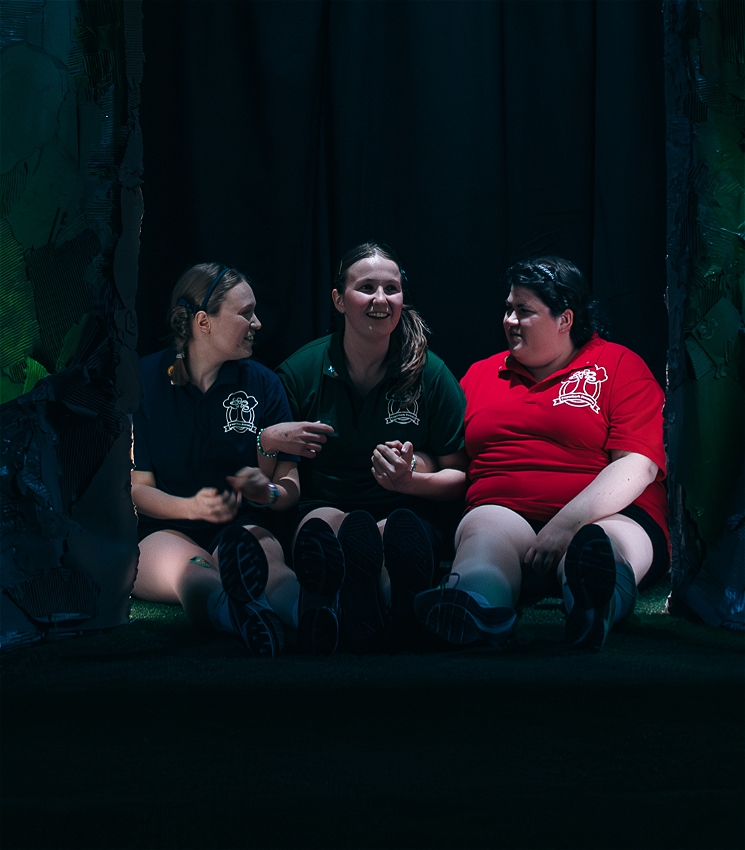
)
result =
(584, 357)
(228, 374)
(334, 362)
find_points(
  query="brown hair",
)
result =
(408, 349)
(187, 300)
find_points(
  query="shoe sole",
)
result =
(457, 617)
(244, 571)
(260, 630)
(410, 565)
(362, 624)
(318, 559)
(319, 566)
(590, 573)
(318, 632)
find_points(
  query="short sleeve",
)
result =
(635, 414)
(447, 407)
(142, 459)
(277, 408)
(287, 379)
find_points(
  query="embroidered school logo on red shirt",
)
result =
(582, 388)
(236, 404)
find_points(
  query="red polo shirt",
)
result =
(534, 445)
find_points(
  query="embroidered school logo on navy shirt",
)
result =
(582, 388)
(237, 405)
(401, 412)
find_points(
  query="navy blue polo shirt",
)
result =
(189, 439)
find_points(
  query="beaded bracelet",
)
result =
(261, 448)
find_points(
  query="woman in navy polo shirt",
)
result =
(564, 439)
(208, 470)
(376, 496)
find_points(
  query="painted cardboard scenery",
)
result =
(70, 203)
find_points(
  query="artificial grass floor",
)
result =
(153, 736)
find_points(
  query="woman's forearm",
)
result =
(441, 486)
(612, 490)
(160, 505)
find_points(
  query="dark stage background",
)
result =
(467, 135)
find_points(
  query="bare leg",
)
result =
(629, 540)
(165, 574)
(491, 542)
(335, 518)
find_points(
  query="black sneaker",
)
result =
(243, 572)
(410, 565)
(590, 574)
(458, 618)
(362, 623)
(319, 566)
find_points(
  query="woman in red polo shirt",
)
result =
(566, 468)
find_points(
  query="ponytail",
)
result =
(411, 354)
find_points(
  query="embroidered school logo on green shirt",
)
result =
(401, 412)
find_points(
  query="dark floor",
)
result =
(151, 736)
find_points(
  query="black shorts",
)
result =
(549, 584)
(205, 534)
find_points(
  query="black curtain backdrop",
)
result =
(466, 134)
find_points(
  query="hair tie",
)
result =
(190, 308)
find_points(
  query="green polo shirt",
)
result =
(318, 387)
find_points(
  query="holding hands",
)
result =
(298, 438)
(392, 465)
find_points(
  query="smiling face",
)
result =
(372, 298)
(233, 327)
(536, 338)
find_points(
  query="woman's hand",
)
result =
(251, 483)
(551, 543)
(391, 465)
(615, 487)
(296, 438)
(210, 505)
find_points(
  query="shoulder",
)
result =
(622, 359)
(308, 354)
(154, 367)
(486, 367)
(256, 374)
(434, 365)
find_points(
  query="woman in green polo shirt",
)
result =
(382, 494)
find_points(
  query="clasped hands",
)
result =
(248, 483)
(391, 465)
